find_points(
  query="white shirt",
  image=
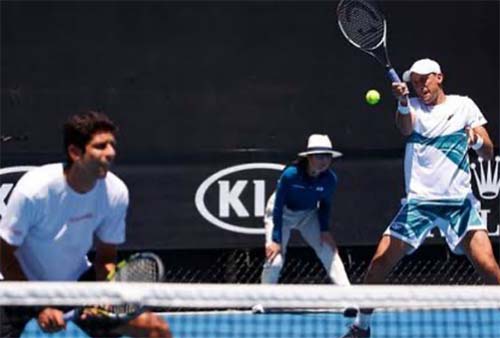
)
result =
(436, 159)
(53, 226)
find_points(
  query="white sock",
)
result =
(363, 320)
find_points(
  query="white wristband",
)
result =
(403, 110)
(479, 143)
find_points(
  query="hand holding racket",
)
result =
(141, 267)
(365, 27)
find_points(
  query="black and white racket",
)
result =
(365, 27)
(140, 267)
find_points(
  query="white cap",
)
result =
(422, 67)
(319, 144)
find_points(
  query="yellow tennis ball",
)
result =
(372, 96)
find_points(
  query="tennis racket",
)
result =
(365, 27)
(140, 267)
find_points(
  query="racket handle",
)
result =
(70, 315)
(393, 76)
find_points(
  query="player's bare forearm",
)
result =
(105, 259)
(404, 118)
(9, 266)
(486, 149)
(404, 123)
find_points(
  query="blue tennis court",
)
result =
(456, 323)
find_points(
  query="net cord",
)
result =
(247, 295)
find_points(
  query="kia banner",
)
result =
(221, 205)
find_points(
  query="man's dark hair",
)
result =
(80, 128)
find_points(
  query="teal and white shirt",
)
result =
(436, 160)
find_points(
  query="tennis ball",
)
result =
(372, 96)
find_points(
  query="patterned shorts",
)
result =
(454, 218)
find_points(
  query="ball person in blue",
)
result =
(303, 201)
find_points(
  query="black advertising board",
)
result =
(212, 98)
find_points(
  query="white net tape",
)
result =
(246, 296)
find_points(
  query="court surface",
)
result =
(385, 324)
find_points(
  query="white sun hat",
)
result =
(319, 144)
(422, 67)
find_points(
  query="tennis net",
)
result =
(225, 310)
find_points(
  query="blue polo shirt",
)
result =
(298, 191)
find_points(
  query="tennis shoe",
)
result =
(357, 332)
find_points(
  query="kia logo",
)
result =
(6, 188)
(230, 193)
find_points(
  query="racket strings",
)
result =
(361, 23)
(123, 309)
(137, 270)
(142, 270)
